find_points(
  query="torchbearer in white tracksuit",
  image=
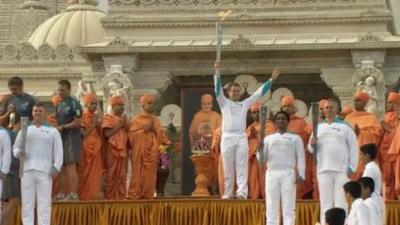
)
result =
(234, 143)
(42, 161)
(337, 158)
(5, 158)
(283, 151)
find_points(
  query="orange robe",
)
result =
(217, 177)
(394, 155)
(386, 163)
(298, 126)
(115, 155)
(213, 118)
(90, 165)
(370, 133)
(145, 154)
(256, 178)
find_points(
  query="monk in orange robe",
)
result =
(217, 159)
(90, 165)
(387, 162)
(115, 151)
(298, 126)
(366, 125)
(256, 178)
(394, 155)
(146, 135)
(309, 129)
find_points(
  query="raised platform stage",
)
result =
(184, 211)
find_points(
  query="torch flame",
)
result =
(223, 14)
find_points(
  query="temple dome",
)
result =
(78, 25)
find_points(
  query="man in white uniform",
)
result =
(367, 190)
(234, 143)
(42, 161)
(283, 151)
(359, 211)
(337, 158)
(5, 159)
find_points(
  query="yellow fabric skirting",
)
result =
(192, 211)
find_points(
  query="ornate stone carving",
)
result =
(116, 83)
(369, 37)
(28, 51)
(370, 79)
(63, 51)
(171, 114)
(248, 83)
(10, 52)
(45, 51)
(284, 3)
(241, 40)
(378, 56)
(118, 42)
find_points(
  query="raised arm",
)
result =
(263, 90)
(219, 92)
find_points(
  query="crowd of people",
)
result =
(77, 153)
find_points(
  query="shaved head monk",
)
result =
(366, 125)
(114, 128)
(146, 135)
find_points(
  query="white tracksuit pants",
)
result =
(234, 151)
(331, 193)
(280, 186)
(36, 185)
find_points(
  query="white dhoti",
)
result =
(331, 193)
(235, 157)
(281, 185)
(36, 185)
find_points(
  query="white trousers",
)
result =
(235, 157)
(331, 193)
(36, 185)
(281, 186)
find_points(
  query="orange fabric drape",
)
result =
(115, 157)
(386, 161)
(370, 133)
(90, 166)
(145, 154)
(184, 211)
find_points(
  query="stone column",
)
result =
(340, 80)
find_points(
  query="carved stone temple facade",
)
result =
(325, 48)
